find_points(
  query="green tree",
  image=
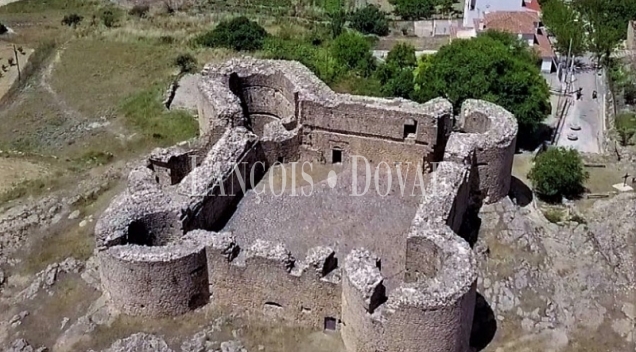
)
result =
(558, 172)
(518, 48)
(400, 84)
(414, 9)
(487, 68)
(396, 74)
(562, 20)
(402, 55)
(607, 23)
(238, 33)
(423, 64)
(447, 6)
(370, 20)
(354, 51)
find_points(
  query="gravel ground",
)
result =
(332, 216)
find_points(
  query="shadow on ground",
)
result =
(484, 324)
(520, 192)
(532, 141)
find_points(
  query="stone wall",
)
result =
(268, 90)
(487, 141)
(171, 165)
(211, 190)
(433, 314)
(266, 280)
(160, 251)
(155, 281)
(433, 309)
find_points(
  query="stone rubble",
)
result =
(562, 278)
(21, 345)
(16, 320)
(47, 277)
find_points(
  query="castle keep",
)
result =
(391, 273)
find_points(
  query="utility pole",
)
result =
(569, 63)
(17, 63)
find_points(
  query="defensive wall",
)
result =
(163, 251)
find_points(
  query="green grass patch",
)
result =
(626, 120)
(31, 188)
(357, 85)
(330, 6)
(94, 75)
(144, 113)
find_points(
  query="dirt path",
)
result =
(45, 83)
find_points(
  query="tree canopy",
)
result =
(488, 67)
(606, 23)
(354, 51)
(563, 22)
(370, 20)
(414, 9)
(238, 33)
(558, 172)
(396, 74)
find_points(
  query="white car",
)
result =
(573, 136)
(575, 127)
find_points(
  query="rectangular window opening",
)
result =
(331, 324)
(336, 156)
(410, 128)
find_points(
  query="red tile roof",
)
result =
(532, 5)
(544, 47)
(517, 22)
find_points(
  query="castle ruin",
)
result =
(390, 273)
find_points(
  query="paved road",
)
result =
(586, 113)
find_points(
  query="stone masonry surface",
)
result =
(390, 272)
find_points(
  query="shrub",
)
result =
(414, 9)
(370, 20)
(354, 51)
(553, 215)
(72, 20)
(186, 63)
(400, 84)
(337, 21)
(3, 29)
(108, 18)
(402, 55)
(317, 58)
(626, 127)
(140, 11)
(629, 93)
(238, 33)
(558, 172)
